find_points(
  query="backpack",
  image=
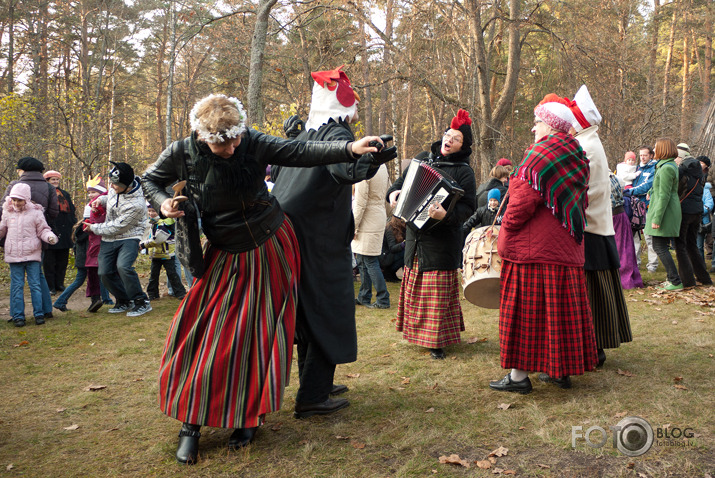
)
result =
(637, 213)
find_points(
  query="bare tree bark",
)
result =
(685, 101)
(11, 48)
(366, 110)
(170, 73)
(708, 63)
(384, 89)
(650, 81)
(669, 57)
(255, 76)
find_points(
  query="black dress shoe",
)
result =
(188, 449)
(338, 389)
(601, 358)
(437, 354)
(62, 308)
(241, 437)
(564, 382)
(508, 385)
(39, 320)
(327, 407)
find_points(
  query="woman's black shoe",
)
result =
(241, 437)
(188, 449)
(508, 385)
(564, 382)
(437, 354)
(601, 358)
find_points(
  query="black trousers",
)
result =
(54, 264)
(169, 266)
(315, 371)
(691, 264)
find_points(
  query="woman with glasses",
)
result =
(428, 312)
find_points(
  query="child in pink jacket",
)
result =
(23, 222)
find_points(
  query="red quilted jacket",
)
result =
(531, 234)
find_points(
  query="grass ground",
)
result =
(406, 411)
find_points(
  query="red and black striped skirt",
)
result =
(545, 320)
(228, 352)
(428, 311)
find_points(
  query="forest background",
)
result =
(83, 82)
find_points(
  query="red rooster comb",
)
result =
(337, 78)
(462, 118)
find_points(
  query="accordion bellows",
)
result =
(424, 185)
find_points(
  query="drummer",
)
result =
(428, 311)
(485, 215)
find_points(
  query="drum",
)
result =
(482, 267)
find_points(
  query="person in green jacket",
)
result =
(664, 215)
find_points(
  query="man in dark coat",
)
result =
(318, 202)
(30, 171)
(54, 263)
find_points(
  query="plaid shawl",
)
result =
(557, 168)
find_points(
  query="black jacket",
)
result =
(80, 247)
(65, 220)
(440, 247)
(691, 185)
(235, 217)
(318, 201)
(482, 217)
(390, 248)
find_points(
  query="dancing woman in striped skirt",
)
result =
(228, 352)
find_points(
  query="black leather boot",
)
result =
(188, 449)
(241, 437)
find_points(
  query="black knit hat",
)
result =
(121, 173)
(28, 163)
(705, 160)
(463, 123)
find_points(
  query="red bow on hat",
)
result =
(337, 79)
(554, 98)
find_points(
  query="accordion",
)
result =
(423, 186)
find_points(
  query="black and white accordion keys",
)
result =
(424, 185)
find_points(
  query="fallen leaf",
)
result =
(140, 379)
(303, 442)
(501, 451)
(710, 355)
(72, 427)
(677, 379)
(546, 467)
(492, 460)
(112, 429)
(142, 340)
(386, 355)
(497, 471)
(484, 464)
(405, 380)
(680, 387)
(340, 437)
(434, 387)
(453, 357)
(630, 465)
(357, 445)
(625, 373)
(22, 344)
(522, 428)
(391, 372)
(277, 426)
(397, 388)
(434, 472)
(620, 415)
(94, 388)
(510, 472)
(60, 410)
(9, 467)
(430, 410)
(504, 406)
(353, 375)
(657, 308)
(642, 475)
(473, 340)
(454, 459)
(675, 322)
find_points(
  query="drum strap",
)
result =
(500, 206)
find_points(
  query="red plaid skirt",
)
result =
(428, 311)
(545, 320)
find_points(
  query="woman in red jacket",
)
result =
(545, 320)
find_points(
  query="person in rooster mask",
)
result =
(318, 201)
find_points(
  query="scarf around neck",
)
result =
(556, 167)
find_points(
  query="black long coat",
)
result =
(65, 220)
(318, 201)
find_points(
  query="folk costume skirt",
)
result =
(428, 311)
(630, 275)
(228, 352)
(611, 322)
(545, 321)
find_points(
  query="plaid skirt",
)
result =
(545, 320)
(228, 352)
(611, 322)
(428, 311)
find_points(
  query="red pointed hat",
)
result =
(462, 122)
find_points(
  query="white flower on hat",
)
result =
(213, 137)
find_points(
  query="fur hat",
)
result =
(97, 184)
(121, 174)
(333, 97)
(553, 111)
(28, 163)
(21, 191)
(494, 194)
(463, 123)
(705, 160)
(52, 174)
(222, 123)
(584, 110)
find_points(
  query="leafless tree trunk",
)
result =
(653, 47)
(685, 101)
(170, 73)
(384, 89)
(366, 95)
(669, 57)
(255, 76)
